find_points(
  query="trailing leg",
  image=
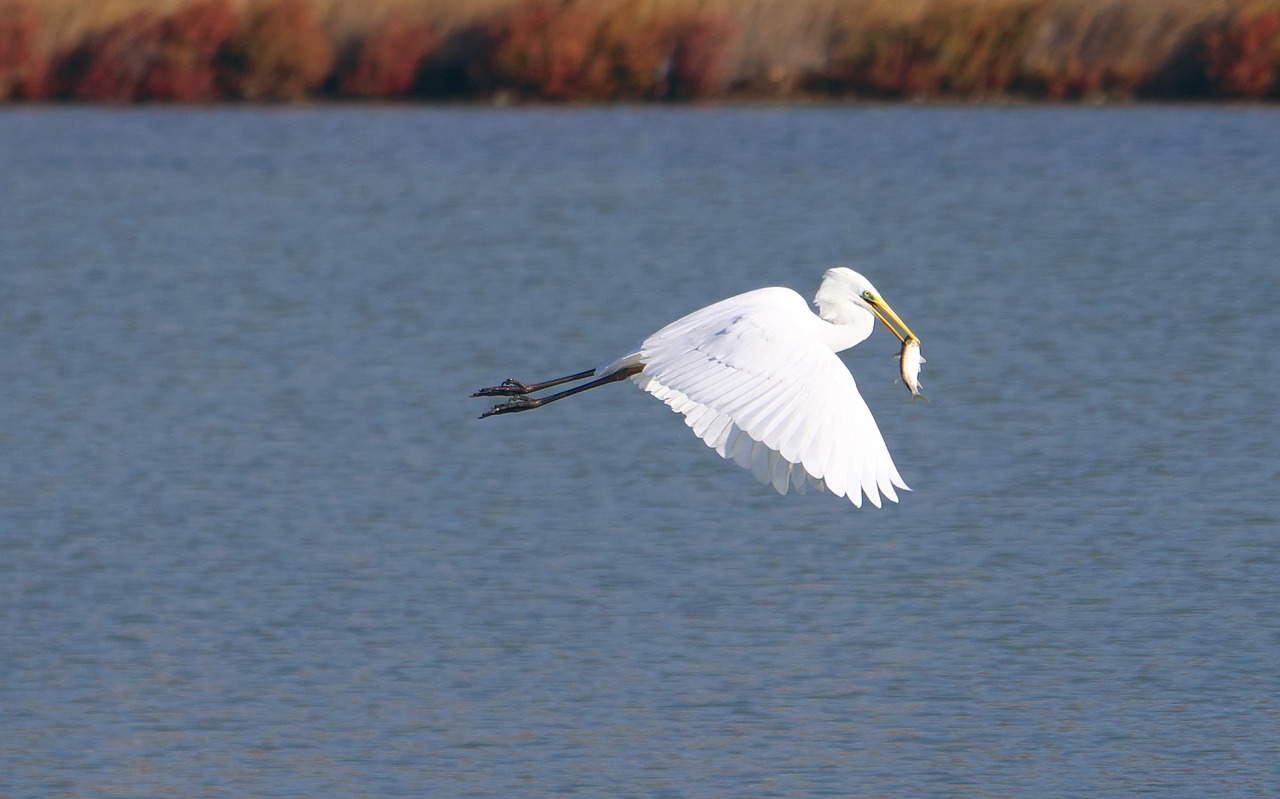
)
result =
(514, 388)
(523, 403)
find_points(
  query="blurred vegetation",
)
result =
(126, 51)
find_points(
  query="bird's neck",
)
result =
(846, 330)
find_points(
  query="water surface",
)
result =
(254, 542)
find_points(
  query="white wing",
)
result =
(756, 384)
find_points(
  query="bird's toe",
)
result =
(509, 388)
(513, 405)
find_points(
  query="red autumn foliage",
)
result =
(590, 50)
(24, 67)
(611, 50)
(278, 53)
(387, 61)
(541, 48)
(145, 57)
(183, 67)
(695, 45)
(1242, 55)
(111, 66)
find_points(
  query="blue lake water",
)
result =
(254, 542)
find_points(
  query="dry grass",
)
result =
(70, 21)
(613, 49)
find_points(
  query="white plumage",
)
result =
(757, 378)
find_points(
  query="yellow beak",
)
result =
(884, 313)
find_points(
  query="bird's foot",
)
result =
(513, 405)
(509, 388)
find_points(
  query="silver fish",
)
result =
(909, 361)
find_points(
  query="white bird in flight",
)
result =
(757, 378)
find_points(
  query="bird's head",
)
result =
(846, 297)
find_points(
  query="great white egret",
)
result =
(757, 378)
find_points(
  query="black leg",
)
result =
(514, 388)
(523, 403)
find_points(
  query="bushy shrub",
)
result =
(183, 67)
(147, 57)
(542, 48)
(387, 61)
(593, 50)
(694, 44)
(1242, 53)
(23, 65)
(276, 53)
(111, 66)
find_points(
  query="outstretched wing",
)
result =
(756, 384)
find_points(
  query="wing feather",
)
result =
(716, 432)
(739, 450)
(760, 388)
(699, 418)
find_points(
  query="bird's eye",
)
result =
(868, 296)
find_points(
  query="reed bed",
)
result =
(126, 51)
